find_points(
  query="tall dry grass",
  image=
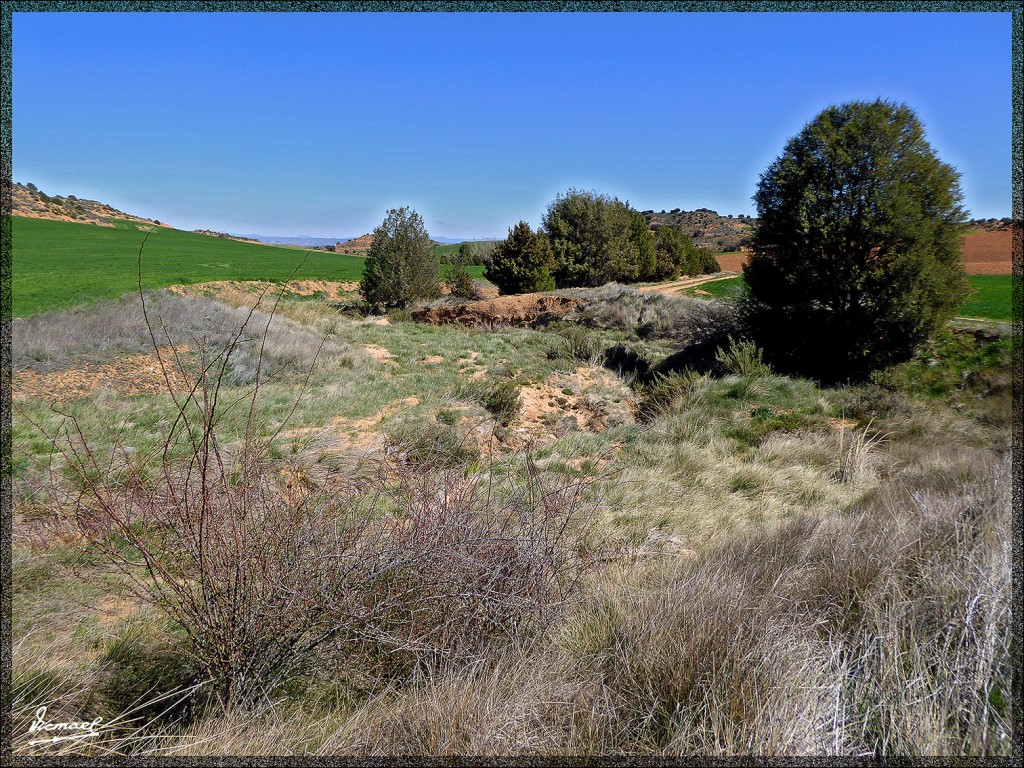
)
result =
(881, 632)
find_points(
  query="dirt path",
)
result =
(678, 286)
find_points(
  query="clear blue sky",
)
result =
(318, 123)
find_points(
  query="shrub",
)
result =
(522, 263)
(503, 401)
(742, 358)
(856, 259)
(597, 239)
(577, 345)
(400, 266)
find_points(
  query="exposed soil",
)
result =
(244, 293)
(677, 287)
(128, 375)
(731, 262)
(591, 399)
(379, 354)
(357, 246)
(342, 435)
(985, 253)
(523, 309)
(989, 253)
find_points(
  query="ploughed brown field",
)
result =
(985, 253)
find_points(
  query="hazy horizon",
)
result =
(319, 123)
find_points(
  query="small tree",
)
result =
(856, 258)
(522, 263)
(400, 266)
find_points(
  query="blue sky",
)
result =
(318, 123)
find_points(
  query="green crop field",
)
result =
(58, 265)
(991, 298)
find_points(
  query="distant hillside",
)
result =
(357, 246)
(29, 201)
(225, 235)
(707, 228)
(360, 246)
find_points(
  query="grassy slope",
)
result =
(665, 655)
(992, 297)
(57, 264)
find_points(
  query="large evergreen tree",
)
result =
(401, 266)
(856, 259)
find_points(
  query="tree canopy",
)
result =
(856, 258)
(522, 263)
(598, 239)
(400, 266)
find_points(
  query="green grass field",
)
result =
(992, 297)
(58, 265)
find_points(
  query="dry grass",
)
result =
(777, 569)
(882, 632)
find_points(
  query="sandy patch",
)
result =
(342, 435)
(582, 400)
(380, 354)
(129, 375)
(245, 292)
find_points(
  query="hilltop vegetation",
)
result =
(29, 201)
(707, 228)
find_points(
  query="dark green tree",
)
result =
(676, 253)
(597, 239)
(856, 258)
(522, 263)
(643, 241)
(400, 266)
(575, 223)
